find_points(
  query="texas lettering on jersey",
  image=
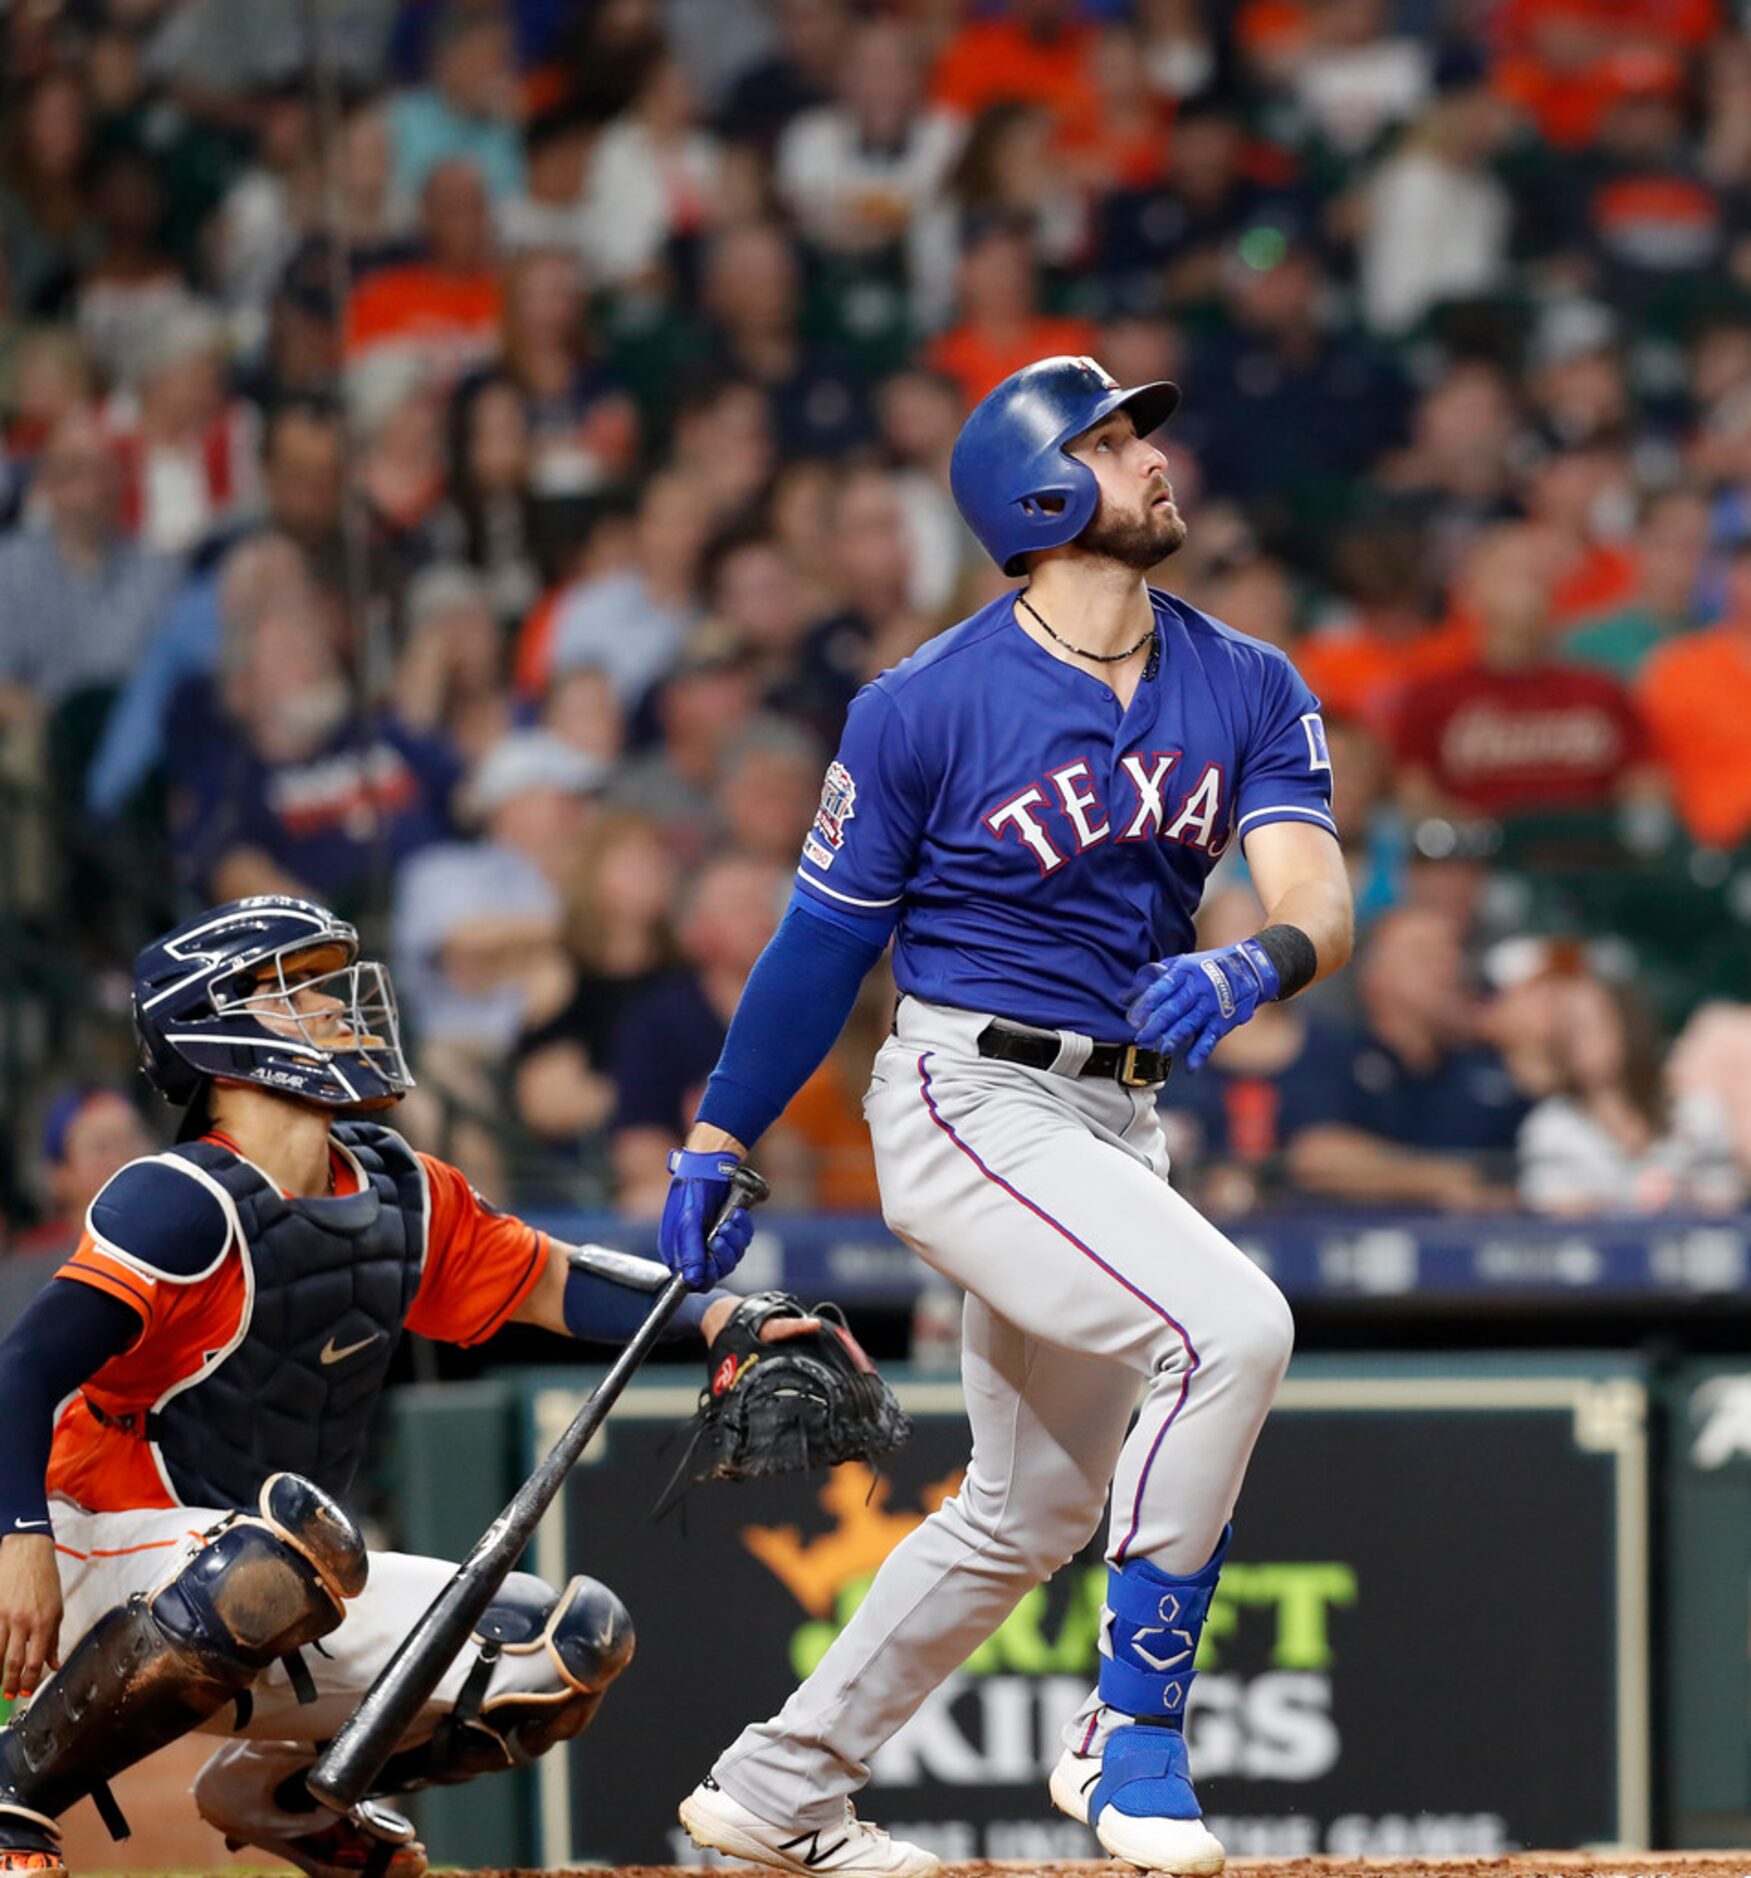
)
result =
(1071, 799)
(1030, 839)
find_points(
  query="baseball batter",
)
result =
(188, 1399)
(1029, 808)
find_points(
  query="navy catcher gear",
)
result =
(1014, 484)
(215, 998)
(586, 1638)
(147, 1672)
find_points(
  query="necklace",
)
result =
(1100, 658)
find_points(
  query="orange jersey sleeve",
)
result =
(105, 1465)
(480, 1264)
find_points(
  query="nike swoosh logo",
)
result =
(25, 1525)
(331, 1355)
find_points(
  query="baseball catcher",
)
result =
(188, 1401)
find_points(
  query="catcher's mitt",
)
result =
(786, 1407)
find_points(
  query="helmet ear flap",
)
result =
(166, 1071)
(1058, 512)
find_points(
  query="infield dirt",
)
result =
(1526, 1865)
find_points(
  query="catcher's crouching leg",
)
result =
(148, 1672)
(545, 1661)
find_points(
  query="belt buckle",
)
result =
(1128, 1069)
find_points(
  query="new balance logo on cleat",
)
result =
(816, 1854)
(847, 1849)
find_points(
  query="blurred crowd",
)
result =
(460, 467)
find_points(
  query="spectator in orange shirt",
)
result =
(445, 308)
(1567, 62)
(1360, 665)
(1567, 495)
(1001, 328)
(1696, 696)
(1038, 53)
(1120, 140)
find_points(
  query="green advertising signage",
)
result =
(1430, 1638)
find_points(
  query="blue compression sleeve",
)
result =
(793, 1008)
(67, 1334)
(609, 1294)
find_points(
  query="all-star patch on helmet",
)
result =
(215, 998)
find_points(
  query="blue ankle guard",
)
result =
(1156, 1623)
(1144, 1772)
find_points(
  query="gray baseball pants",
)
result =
(1087, 1280)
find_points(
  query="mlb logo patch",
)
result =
(1318, 756)
(838, 797)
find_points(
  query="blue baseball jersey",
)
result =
(1034, 841)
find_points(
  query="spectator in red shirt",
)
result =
(1513, 732)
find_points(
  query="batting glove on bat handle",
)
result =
(703, 1188)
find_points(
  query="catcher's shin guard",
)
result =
(582, 1637)
(147, 1672)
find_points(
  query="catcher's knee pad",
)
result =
(150, 1670)
(568, 1647)
(1154, 1623)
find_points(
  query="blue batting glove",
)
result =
(698, 1187)
(1185, 1006)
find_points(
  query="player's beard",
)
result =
(1136, 541)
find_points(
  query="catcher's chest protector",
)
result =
(333, 1281)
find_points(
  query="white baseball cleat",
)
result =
(1072, 1782)
(849, 1849)
(1185, 1847)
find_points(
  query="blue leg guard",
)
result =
(1144, 1772)
(1154, 1623)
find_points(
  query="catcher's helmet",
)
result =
(1009, 460)
(213, 998)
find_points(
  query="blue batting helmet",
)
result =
(1012, 480)
(215, 998)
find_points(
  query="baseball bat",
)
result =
(355, 1757)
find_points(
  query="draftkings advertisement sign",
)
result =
(1429, 1637)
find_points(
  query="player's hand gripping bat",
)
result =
(355, 1757)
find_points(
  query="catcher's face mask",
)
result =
(268, 990)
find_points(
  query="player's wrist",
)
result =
(704, 1138)
(1284, 958)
